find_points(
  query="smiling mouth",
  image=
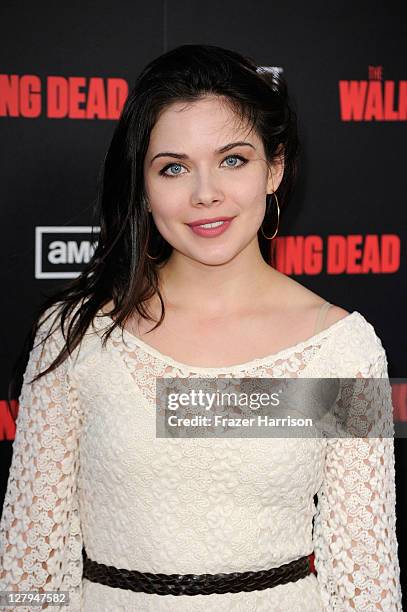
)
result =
(209, 220)
(213, 229)
(214, 224)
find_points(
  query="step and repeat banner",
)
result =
(64, 77)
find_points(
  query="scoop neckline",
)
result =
(139, 343)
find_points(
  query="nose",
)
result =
(206, 191)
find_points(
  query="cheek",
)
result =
(249, 186)
(251, 199)
(165, 200)
(253, 195)
(169, 206)
(168, 210)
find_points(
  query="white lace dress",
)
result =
(88, 469)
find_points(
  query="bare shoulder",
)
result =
(334, 314)
(306, 303)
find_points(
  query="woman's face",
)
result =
(200, 182)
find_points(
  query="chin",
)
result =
(215, 258)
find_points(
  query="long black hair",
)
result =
(119, 269)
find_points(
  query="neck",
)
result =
(215, 290)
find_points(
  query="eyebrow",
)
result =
(227, 147)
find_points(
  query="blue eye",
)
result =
(170, 166)
(176, 165)
(233, 157)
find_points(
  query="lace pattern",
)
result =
(40, 531)
(87, 468)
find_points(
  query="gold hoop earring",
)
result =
(278, 220)
(149, 256)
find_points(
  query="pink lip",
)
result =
(212, 231)
(202, 221)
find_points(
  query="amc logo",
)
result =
(60, 252)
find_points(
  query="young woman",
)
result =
(100, 507)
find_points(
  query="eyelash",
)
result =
(162, 172)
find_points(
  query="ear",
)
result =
(276, 172)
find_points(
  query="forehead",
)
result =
(206, 121)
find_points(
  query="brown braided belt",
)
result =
(194, 584)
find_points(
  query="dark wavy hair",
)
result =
(119, 269)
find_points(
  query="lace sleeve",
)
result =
(40, 536)
(355, 541)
